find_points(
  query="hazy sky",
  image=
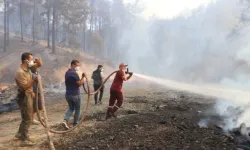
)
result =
(170, 8)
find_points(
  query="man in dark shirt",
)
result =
(73, 83)
(97, 76)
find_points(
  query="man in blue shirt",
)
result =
(73, 83)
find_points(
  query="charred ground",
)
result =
(163, 122)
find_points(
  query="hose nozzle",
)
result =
(127, 72)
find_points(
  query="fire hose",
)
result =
(44, 121)
(93, 93)
(87, 91)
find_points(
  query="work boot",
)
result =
(28, 142)
(18, 135)
(100, 102)
(35, 122)
(65, 124)
(108, 116)
(74, 124)
(113, 115)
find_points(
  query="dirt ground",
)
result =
(151, 118)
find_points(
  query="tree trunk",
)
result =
(21, 19)
(5, 17)
(100, 24)
(91, 26)
(33, 22)
(8, 23)
(53, 29)
(91, 17)
(96, 24)
(48, 32)
(84, 37)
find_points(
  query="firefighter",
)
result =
(116, 95)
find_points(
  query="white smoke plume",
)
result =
(209, 45)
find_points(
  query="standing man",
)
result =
(97, 76)
(73, 83)
(116, 95)
(25, 96)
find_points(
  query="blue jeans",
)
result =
(74, 102)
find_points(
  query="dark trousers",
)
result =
(101, 93)
(25, 102)
(115, 101)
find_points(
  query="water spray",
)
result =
(214, 90)
(127, 72)
(229, 97)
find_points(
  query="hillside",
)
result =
(54, 65)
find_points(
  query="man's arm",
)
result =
(23, 83)
(130, 75)
(123, 74)
(102, 77)
(38, 63)
(92, 76)
(80, 82)
(124, 77)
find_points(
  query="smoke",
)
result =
(231, 113)
(230, 110)
(206, 45)
(209, 45)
